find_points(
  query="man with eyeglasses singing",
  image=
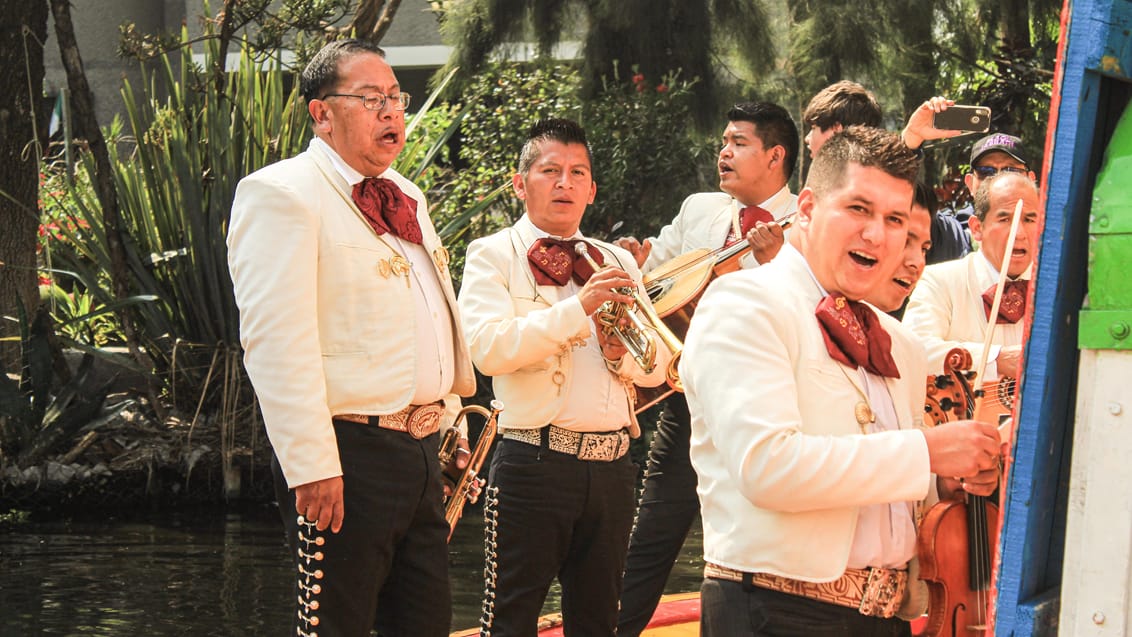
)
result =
(352, 340)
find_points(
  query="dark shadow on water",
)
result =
(194, 573)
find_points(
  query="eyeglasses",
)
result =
(990, 171)
(376, 101)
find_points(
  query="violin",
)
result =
(958, 536)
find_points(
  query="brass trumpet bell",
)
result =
(461, 486)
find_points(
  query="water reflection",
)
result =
(192, 573)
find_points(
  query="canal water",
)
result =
(193, 573)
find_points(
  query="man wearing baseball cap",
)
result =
(990, 155)
(993, 154)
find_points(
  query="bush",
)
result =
(647, 155)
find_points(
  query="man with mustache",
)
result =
(951, 304)
(352, 341)
(807, 416)
(759, 151)
(996, 153)
(559, 501)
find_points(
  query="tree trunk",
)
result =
(227, 30)
(1015, 25)
(23, 31)
(373, 18)
(82, 107)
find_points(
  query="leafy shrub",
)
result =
(647, 155)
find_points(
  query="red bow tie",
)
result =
(854, 336)
(1013, 305)
(751, 215)
(554, 261)
(387, 208)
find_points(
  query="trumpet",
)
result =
(461, 486)
(634, 336)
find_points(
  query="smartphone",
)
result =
(967, 118)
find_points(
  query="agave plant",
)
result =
(48, 404)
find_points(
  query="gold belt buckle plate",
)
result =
(883, 592)
(603, 447)
(425, 420)
(418, 422)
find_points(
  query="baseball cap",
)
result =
(1008, 144)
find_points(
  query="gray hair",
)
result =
(982, 194)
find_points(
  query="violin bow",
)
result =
(993, 320)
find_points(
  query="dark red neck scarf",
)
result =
(853, 335)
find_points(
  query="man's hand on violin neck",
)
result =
(982, 484)
(963, 448)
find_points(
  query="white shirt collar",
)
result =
(777, 200)
(539, 233)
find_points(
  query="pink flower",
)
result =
(638, 78)
(661, 88)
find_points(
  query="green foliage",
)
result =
(647, 157)
(176, 189)
(656, 37)
(73, 303)
(14, 518)
(267, 27)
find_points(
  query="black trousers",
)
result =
(551, 515)
(668, 508)
(733, 609)
(393, 545)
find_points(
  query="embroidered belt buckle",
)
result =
(418, 421)
(603, 447)
(883, 592)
